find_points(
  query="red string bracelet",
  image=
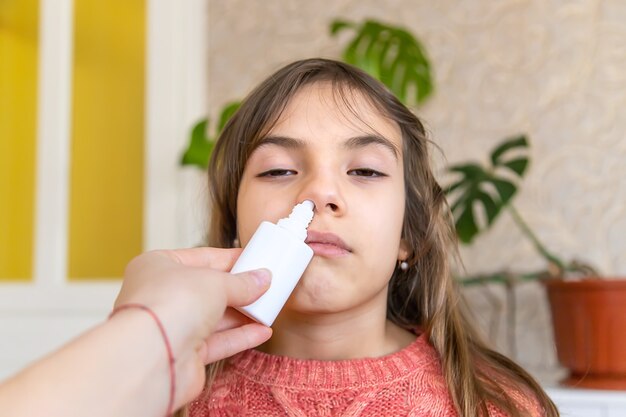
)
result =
(168, 347)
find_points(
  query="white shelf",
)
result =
(578, 402)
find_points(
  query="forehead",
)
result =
(321, 110)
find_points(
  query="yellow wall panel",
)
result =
(106, 186)
(18, 108)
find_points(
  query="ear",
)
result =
(403, 250)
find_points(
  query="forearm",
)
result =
(119, 368)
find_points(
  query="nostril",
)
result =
(333, 206)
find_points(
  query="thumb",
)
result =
(245, 287)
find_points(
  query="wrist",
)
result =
(136, 309)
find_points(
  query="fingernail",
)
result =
(262, 277)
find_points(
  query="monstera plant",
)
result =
(489, 190)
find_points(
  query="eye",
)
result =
(278, 172)
(366, 172)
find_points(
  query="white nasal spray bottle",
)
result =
(280, 248)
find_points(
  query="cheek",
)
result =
(383, 217)
(380, 255)
(245, 216)
(381, 228)
(255, 207)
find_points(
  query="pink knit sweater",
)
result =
(405, 383)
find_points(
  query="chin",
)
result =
(318, 297)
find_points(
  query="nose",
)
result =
(324, 190)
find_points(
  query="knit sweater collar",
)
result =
(284, 371)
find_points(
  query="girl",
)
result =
(375, 325)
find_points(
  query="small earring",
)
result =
(404, 265)
(235, 243)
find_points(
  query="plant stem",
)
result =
(511, 310)
(552, 259)
(502, 277)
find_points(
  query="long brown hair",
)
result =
(423, 296)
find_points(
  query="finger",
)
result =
(214, 258)
(245, 287)
(229, 342)
(232, 318)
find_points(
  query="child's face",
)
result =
(353, 172)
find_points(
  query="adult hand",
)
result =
(192, 294)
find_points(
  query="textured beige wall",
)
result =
(555, 70)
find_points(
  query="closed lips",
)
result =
(324, 243)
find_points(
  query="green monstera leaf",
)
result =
(198, 152)
(390, 54)
(491, 187)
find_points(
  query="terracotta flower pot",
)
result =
(589, 319)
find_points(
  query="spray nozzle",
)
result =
(299, 219)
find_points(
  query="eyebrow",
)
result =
(355, 142)
(366, 140)
(282, 141)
